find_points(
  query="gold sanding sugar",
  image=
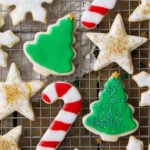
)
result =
(28, 87)
(8, 145)
(117, 45)
(12, 93)
(146, 10)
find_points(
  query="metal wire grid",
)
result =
(78, 137)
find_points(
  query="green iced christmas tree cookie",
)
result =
(111, 116)
(51, 52)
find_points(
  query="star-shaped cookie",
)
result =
(115, 46)
(142, 12)
(8, 39)
(9, 141)
(143, 80)
(15, 94)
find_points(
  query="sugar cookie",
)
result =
(115, 46)
(134, 144)
(111, 116)
(7, 38)
(15, 94)
(143, 80)
(65, 118)
(51, 52)
(26, 6)
(9, 141)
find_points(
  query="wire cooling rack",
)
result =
(78, 138)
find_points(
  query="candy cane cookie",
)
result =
(65, 118)
(96, 12)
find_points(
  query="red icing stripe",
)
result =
(49, 144)
(88, 25)
(74, 107)
(98, 9)
(45, 98)
(58, 125)
(62, 88)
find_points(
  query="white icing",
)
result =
(115, 46)
(15, 133)
(11, 138)
(51, 135)
(105, 3)
(51, 92)
(91, 17)
(72, 95)
(143, 80)
(22, 93)
(145, 98)
(66, 117)
(8, 39)
(25, 6)
(44, 148)
(134, 144)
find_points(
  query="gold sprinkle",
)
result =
(7, 145)
(146, 9)
(144, 34)
(12, 93)
(71, 16)
(15, 91)
(115, 74)
(116, 45)
(98, 140)
(28, 87)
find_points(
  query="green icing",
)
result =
(111, 114)
(53, 49)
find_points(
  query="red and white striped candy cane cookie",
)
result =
(95, 12)
(66, 116)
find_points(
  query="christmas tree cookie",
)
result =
(51, 52)
(111, 116)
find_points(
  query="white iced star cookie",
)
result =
(26, 6)
(7, 38)
(115, 46)
(142, 12)
(9, 141)
(134, 144)
(143, 80)
(15, 94)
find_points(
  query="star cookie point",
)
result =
(142, 12)
(9, 141)
(134, 143)
(115, 74)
